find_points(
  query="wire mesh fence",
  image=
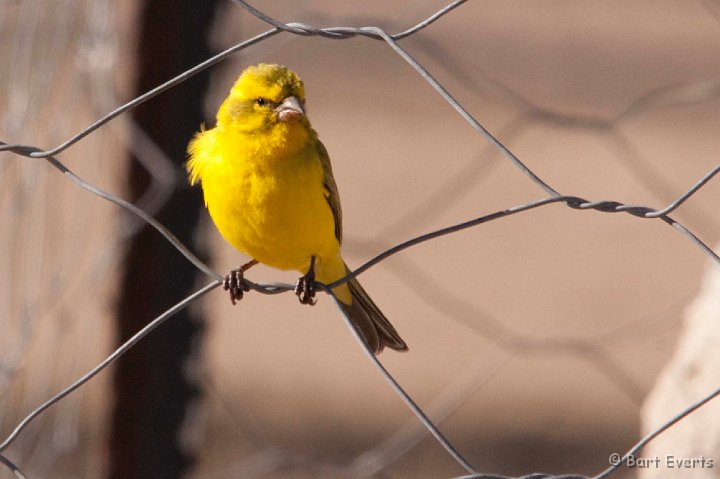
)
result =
(457, 178)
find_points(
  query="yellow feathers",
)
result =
(269, 188)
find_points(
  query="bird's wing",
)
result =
(331, 192)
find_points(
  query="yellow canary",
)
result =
(269, 188)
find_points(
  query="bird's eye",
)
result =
(262, 101)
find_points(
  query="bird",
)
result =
(269, 188)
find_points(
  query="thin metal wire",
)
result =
(380, 34)
(340, 33)
(11, 465)
(572, 201)
(662, 428)
(458, 391)
(400, 391)
(531, 476)
(107, 361)
(685, 196)
(30, 151)
(39, 153)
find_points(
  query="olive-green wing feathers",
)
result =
(372, 324)
(331, 192)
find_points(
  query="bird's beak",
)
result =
(290, 110)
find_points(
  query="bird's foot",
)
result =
(235, 282)
(305, 286)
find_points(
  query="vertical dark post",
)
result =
(152, 387)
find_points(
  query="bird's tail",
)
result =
(374, 327)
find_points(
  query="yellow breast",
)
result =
(266, 195)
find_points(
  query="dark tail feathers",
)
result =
(374, 327)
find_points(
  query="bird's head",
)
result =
(264, 97)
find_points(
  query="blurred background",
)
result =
(534, 339)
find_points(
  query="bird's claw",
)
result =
(235, 283)
(305, 286)
(305, 290)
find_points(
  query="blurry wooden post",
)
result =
(154, 387)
